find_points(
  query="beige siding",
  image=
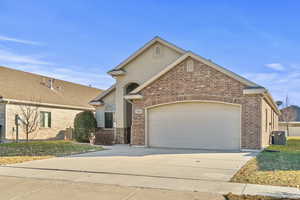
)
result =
(2, 119)
(269, 123)
(109, 105)
(60, 120)
(140, 70)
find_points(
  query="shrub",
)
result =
(84, 124)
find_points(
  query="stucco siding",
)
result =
(141, 69)
(109, 104)
(60, 120)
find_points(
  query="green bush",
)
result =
(84, 124)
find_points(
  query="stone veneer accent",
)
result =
(121, 135)
(104, 136)
(204, 83)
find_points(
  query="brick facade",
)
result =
(104, 136)
(203, 83)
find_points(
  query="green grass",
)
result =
(274, 168)
(45, 148)
(250, 197)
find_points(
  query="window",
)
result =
(108, 120)
(45, 119)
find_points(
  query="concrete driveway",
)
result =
(138, 166)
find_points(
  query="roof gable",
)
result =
(104, 94)
(144, 48)
(201, 59)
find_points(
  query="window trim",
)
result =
(113, 120)
(49, 119)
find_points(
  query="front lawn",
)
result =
(25, 151)
(274, 168)
(250, 197)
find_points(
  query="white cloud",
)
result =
(33, 64)
(9, 56)
(39, 65)
(85, 77)
(262, 77)
(275, 66)
(10, 39)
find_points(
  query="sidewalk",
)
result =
(188, 185)
(12, 188)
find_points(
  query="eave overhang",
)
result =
(266, 95)
(96, 103)
(117, 72)
(133, 97)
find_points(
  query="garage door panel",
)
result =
(294, 131)
(195, 125)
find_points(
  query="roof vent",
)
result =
(51, 82)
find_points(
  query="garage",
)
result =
(194, 125)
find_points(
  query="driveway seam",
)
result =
(112, 173)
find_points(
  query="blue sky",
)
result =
(80, 41)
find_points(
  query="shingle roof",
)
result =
(104, 94)
(24, 86)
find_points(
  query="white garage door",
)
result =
(294, 131)
(195, 125)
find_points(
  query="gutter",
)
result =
(44, 104)
(133, 96)
(265, 93)
(96, 103)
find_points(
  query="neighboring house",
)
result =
(165, 96)
(289, 120)
(57, 102)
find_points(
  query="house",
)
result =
(165, 96)
(54, 101)
(289, 120)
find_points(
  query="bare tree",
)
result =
(288, 114)
(29, 116)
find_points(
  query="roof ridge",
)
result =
(25, 86)
(35, 74)
(144, 47)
